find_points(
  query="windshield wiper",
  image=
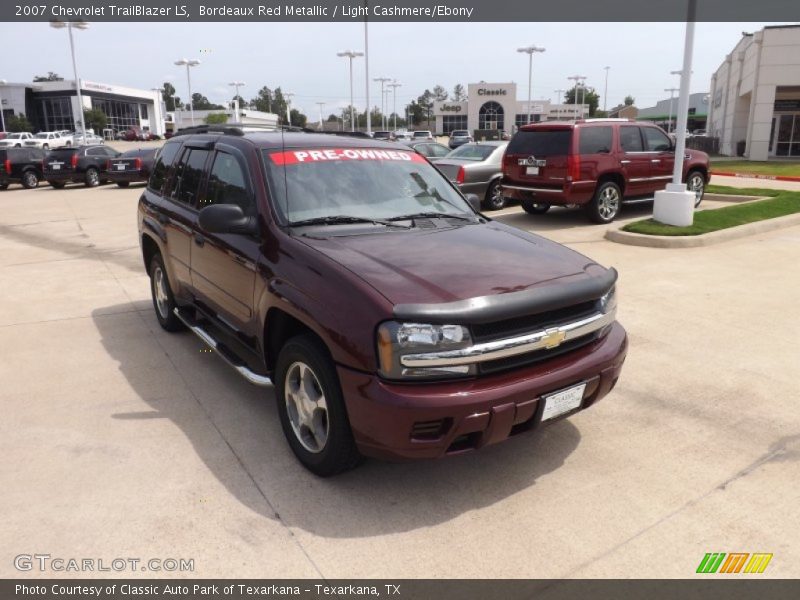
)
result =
(342, 219)
(432, 215)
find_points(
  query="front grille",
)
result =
(520, 325)
(531, 358)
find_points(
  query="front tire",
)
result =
(163, 300)
(604, 206)
(535, 208)
(92, 177)
(494, 199)
(30, 180)
(311, 408)
(696, 183)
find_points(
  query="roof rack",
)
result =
(238, 129)
(358, 134)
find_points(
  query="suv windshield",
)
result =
(472, 152)
(459, 133)
(542, 142)
(366, 183)
(422, 134)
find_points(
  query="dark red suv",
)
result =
(599, 164)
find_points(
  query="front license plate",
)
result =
(531, 170)
(562, 402)
(121, 167)
(55, 167)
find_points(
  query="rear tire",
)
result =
(494, 199)
(163, 300)
(30, 180)
(535, 208)
(696, 182)
(605, 205)
(92, 177)
(123, 184)
(4, 186)
(57, 184)
(311, 408)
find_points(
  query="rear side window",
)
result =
(656, 140)
(595, 140)
(165, 158)
(188, 175)
(630, 140)
(541, 142)
(227, 185)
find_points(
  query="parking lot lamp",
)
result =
(605, 93)
(530, 51)
(70, 25)
(383, 98)
(2, 116)
(236, 85)
(188, 63)
(394, 85)
(288, 96)
(578, 79)
(351, 54)
(321, 125)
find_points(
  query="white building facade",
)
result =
(495, 106)
(52, 105)
(755, 96)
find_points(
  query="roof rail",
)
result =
(240, 129)
(605, 119)
(359, 134)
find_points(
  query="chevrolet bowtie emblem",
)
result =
(553, 338)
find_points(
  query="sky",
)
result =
(301, 58)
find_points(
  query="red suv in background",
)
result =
(599, 164)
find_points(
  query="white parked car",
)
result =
(15, 140)
(91, 138)
(47, 140)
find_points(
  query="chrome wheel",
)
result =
(495, 200)
(306, 407)
(697, 184)
(30, 180)
(92, 178)
(160, 292)
(608, 203)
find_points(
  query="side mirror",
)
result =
(227, 218)
(474, 202)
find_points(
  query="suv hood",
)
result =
(447, 265)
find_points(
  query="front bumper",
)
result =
(126, 176)
(385, 416)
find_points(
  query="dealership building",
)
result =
(755, 96)
(52, 105)
(495, 106)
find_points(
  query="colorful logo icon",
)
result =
(734, 562)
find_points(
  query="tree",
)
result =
(200, 102)
(424, 106)
(95, 119)
(242, 101)
(629, 100)
(168, 96)
(587, 95)
(459, 94)
(439, 93)
(298, 118)
(216, 119)
(17, 123)
(263, 101)
(49, 77)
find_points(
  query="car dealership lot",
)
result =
(120, 440)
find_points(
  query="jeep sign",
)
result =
(450, 108)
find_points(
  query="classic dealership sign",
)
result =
(487, 92)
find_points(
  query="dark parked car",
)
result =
(393, 319)
(20, 165)
(382, 135)
(459, 137)
(79, 164)
(131, 166)
(430, 150)
(477, 168)
(599, 164)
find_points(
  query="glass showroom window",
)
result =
(121, 115)
(55, 114)
(453, 122)
(491, 116)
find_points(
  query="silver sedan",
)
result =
(476, 169)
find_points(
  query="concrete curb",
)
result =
(706, 239)
(756, 176)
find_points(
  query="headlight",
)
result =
(608, 302)
(395, 340)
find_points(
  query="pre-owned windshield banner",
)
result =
(402, 10)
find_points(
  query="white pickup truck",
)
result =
(47, 140)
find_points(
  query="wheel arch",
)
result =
(280, 327)
(613, 176)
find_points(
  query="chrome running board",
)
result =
(223, 352)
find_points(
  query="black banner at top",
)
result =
(401, 10)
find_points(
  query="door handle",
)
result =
(655, 160)
(199, 239)
(624, 162)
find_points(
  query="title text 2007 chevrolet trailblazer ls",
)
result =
(394, 320)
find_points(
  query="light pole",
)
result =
(394, 85)
(671, 96)
(366, 72)
(236, 85)
(2, 116)
(321, 126)
(530, 50)
(288, 96)
(351, 54)
(605, 92)
(578, 79)
(70, 25)
(189, 62)
(386, 102)
(383, 98)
